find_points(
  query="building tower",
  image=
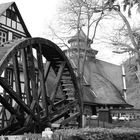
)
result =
(83, 45)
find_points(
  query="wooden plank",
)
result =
(57, 81)
(31, 63)
(9, 108)
(12, 127)
(67, 120)
(16, 97)
(32, 107)
(2, 107)
(17, 75)
(41, 78)
(47, 69)
(60, 102)
(62, 112)
(8, 75)
(46, 72)
(17, 133)
(64, 109)
(26, 76)
(32, 72)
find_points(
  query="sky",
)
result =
(37, 14)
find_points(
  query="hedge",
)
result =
(98, 134)
(87, 134)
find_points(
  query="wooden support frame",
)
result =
(16, 97)
(57, 80)
(17, 75)
(9, 108)
(41, 78)
(40, 88)
(26, 76)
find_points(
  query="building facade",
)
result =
(12, 25)
(103, 85)
(102, 82)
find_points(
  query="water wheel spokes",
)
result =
(38, 87)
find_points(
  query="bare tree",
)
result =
(78, 14)
(127, 4)
(87, 14)
(127, 39)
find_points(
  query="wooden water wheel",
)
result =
(37, 87)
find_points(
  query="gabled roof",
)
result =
(105, 91)
(106, 86)
(82, 37)
(5, 6)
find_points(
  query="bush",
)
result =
(87, 134)
(98, 134)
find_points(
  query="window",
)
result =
(11, 14)
(3, 37)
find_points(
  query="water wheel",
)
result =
(37, 87)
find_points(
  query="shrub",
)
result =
(98, 134)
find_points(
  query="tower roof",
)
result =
(82, 37)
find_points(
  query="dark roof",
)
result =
(5, 6)
(82, 37)
(104, 84)
(103, 92)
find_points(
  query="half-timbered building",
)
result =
(12, 25)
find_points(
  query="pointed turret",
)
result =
(82, 37)
(83, 44)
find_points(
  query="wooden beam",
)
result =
(10, 108)
(26, 76)
(41, 78)
(16, 97)
(31, 64)
(17, 75)
(46, 72)
(47, 69)
(12, 127)
(67, 120)
(62, 111)
(57, 81)
(28, 119)
(3, 116)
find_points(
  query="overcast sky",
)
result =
(37, 14)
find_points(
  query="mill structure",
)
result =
(38, 81)
(38, 87)
(103, 86)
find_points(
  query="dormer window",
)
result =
(11, 14)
